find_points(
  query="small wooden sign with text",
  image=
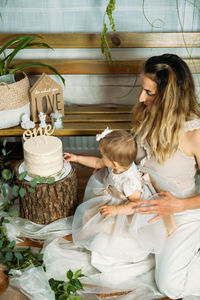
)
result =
(46, 96)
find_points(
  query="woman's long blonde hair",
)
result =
(175, 102)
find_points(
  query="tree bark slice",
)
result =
(49, 202)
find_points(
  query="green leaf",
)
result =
(6, 174)
(5, 249)
(70, 274)
(22, 175)
(31, 190)
(18, 255)
(78, 273)
(65, 286)
(39, 45)
(1, 67)
(3, 260)
(12, 42)
(15, 190)
(41, 179)
(19, 47)
(50, 180)
(4, 152)
(9, 256)
(22, 192)
(77, 284)
(33, 182)
(71, 288)
(33, 64)
(40, 256)
(1, 244)
(12, 244)
(4, 143)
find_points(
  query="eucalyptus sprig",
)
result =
(67, 290)
(105, 49)
(13, 257)
(32, 183)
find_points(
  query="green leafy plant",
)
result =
(105, 49)
(19, 43)
(67, 290)
(13, 257)
(7, 176)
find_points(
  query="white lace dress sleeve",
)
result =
(192, 125)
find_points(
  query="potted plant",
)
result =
(19, 43)
(14, 84)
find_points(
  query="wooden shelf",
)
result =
(89, 120)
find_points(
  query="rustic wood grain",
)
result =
(49, 202)
(94, 67)
(115, 40)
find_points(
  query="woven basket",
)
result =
(14, 95)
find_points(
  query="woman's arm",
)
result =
(124, 209)
(89, 161)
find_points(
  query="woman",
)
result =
(166, 122)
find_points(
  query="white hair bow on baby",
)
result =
(103, 134)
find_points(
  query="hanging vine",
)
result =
(105, 49)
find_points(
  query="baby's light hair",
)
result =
(119, 146)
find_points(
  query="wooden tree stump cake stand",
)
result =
(49, 202)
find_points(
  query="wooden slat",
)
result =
(98, 67)
(90, 128)
(116, 40)
(86, 118)
(84, 67)
(96, 109)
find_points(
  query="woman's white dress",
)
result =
(177, 269)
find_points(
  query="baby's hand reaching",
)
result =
(112, 210)
(70, 157)
(108, 210)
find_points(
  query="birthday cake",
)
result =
(43, 155)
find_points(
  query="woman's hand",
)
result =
(70, 157)
(166, 204)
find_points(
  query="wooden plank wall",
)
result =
(92, 120)
(116, 40)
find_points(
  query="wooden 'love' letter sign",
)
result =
(46, 96)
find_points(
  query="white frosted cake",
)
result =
(43, 156)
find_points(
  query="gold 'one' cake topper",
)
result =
(28, 134)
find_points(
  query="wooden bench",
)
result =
(90, 120)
